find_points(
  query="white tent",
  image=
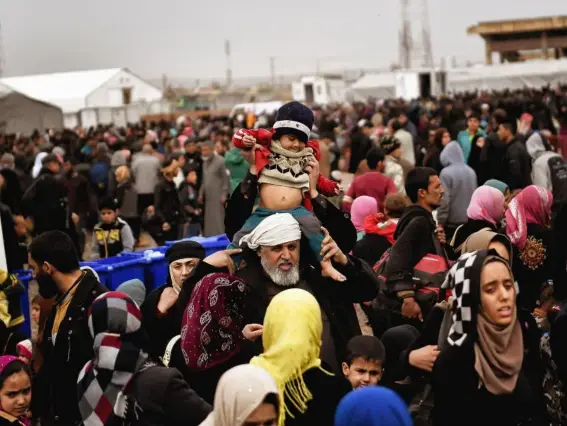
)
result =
(80, 94)
(531, 74)
(382, 85)
(22, 114)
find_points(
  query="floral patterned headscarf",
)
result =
(211, 331)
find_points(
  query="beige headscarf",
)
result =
(480, 240)
(239, 392)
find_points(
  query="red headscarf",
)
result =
(532, 205)
(211, 331)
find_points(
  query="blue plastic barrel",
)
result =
(155, 266)
(25, 276)
(115, 270)
(210, 244)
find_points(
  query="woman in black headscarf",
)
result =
(161, 311)
(485, 372)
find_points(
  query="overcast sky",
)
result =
(185, 38)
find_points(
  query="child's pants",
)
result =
(309, 224)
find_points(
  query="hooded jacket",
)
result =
(459, 182)
(237, 165)
(541, 175)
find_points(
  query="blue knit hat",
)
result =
(296, 119)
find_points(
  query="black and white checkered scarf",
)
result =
(464, 280)
(114, 322)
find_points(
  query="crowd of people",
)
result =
(435, 226)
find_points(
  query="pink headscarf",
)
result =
(487, 203)
(5, 360)
(362, 207)
(532, 205)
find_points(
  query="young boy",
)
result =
(284, 158)
(112, 235)
(188, 193)
(364, 364)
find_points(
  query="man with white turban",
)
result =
(272, 263)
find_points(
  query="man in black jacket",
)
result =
(46, 202)
(67, 343)
(517, 161)
(414, 237)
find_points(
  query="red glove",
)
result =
(326, 186)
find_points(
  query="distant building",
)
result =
(516, 40)
(91, 97)
(319, 90)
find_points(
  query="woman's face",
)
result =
(183, 268)
(264, 415)
(15, 395)
(446, 139)
(497, 294)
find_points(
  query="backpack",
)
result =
(428, 274)
(99, 174)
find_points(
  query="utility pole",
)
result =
(415, 47)
(273, 70)
(228, 64)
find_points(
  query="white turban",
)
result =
(279, 228)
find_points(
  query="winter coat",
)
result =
(112, 239)
(414, 239)
(145, 169)
(492, 160)
(237, 165)
(517, 166)
(127, 199)
(167, 203)
(541, 172)
(459, 183)
(55, 386)
(165, 399)
(464, 140)
(408, 149)
(394, 171)
(47, 203)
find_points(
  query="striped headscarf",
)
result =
(115, 323)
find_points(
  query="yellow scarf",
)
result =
(293, 327)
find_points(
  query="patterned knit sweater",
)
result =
(287, 168)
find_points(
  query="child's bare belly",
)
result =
(280, 197)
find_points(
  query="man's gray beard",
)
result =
(279, 277)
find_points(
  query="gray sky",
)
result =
(185, 38)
